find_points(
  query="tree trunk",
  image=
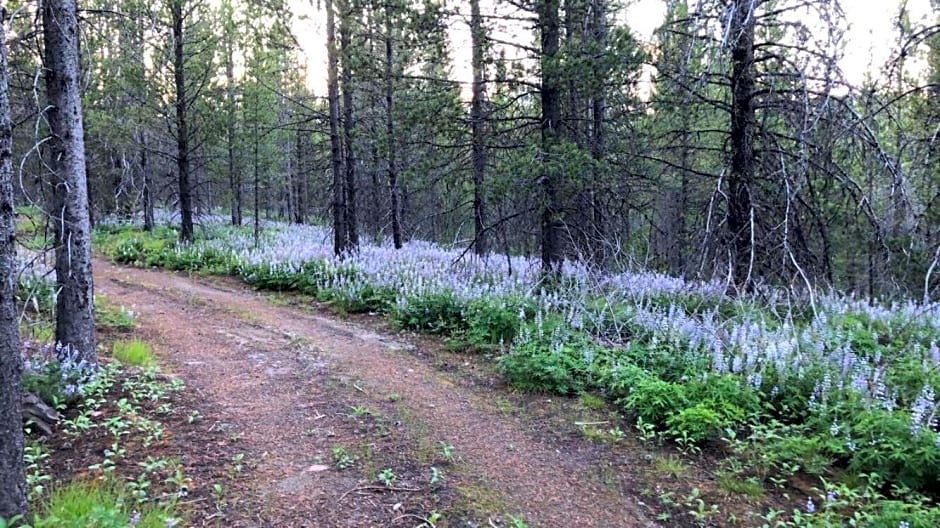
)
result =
(741, 177)
(257, 179)
(203, 205)
(349, 164)
(289, 175)
(390, 133)
(300, 191)
(598, 114)
(574, 114)
(182, 125)
(340, 235)
(678, 243)
(146, 196)
(12, 473)
(477, 129)
(75, 323)
(552, 254)
(234, 178)
(286, 192)
(376, 188)
(91, 208)
(376, 200)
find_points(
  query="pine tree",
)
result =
(75, 324)
(12, 473)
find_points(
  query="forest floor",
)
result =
(344, 422)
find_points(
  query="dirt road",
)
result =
(299, 390)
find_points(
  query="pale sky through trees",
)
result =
(871, 38)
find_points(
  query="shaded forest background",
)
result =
(751, 160)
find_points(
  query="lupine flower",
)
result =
(923, 411)
(818, 354)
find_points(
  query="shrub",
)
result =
(358, 297)
(696, 424)
(268, 277)
(128, 251)
(813, 454)
(666, 360)
(492, 320)
(539, 366)
(883, 444)
(440, 313)
(55, 374)
(774, 449)
(615, 377)
(137, 248)
(655, 400)
(728, 396)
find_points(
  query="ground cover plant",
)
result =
(831, 388)
(96, 434)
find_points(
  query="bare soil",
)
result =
(294, 389)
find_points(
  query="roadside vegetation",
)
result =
(116, 409)
(109, 418)
(830, 389)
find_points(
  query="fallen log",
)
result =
(38, 413)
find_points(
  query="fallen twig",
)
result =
(427, 522)
(373, 488)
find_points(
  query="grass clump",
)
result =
(84, 503)
(136, 353)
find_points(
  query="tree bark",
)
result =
(182, 125)
(390, 133)
(678, 206)
(289, 174)
(552, 254)
(75, 324)
(598, 114)
(340, 235)
(12, 472)
(146, 195)
(741, 176)
(477, 128)
(234, 178)
(349, 163)
(300, 190)
(574, 115)
(257, 178)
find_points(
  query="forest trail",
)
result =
(282, 381)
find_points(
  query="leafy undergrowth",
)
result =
(114, 456)
(834, 398)
(115, 421)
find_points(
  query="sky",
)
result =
(870, 38)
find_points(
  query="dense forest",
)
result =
(731, 146)
(644, 217)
